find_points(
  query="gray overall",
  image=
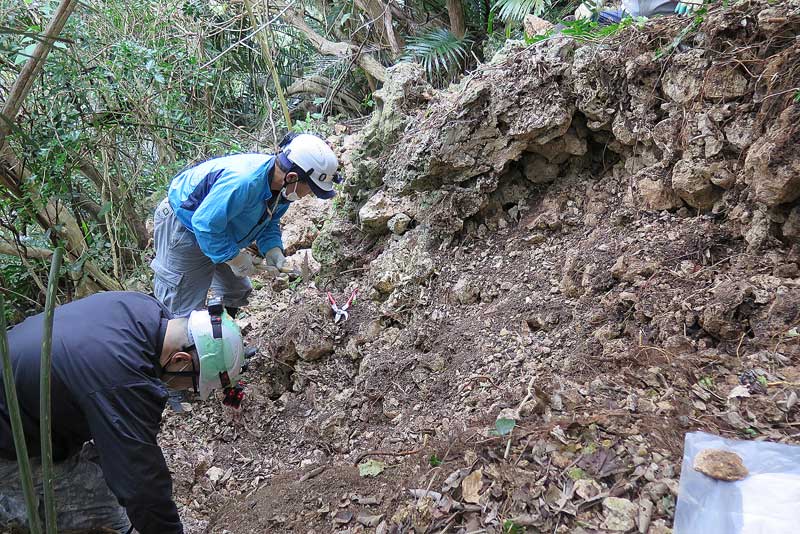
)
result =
(183, 274)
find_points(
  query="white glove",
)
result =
(587, 9)
(261, 265)
(242, 264)
(689, 7)
(274, 259)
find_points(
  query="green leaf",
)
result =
(371, 468)
(105, 209)
(793, 332)
(24, 54)
(434, 460)
(576, 473)
(509, 527)
(504, 426)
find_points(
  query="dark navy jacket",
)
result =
(105, 387)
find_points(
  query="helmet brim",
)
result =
(319, 192)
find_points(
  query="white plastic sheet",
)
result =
(767, 501)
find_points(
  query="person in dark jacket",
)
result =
(114, 355)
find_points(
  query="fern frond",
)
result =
(439, 51)
(515, 10)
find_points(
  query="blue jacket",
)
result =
(226, 203)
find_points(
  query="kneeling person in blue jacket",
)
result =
(215, 210)
(114, 356)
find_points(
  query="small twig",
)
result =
(354, 270)
(777, 94)
(528, 396)
(739, 346)
(488, 440)
(508, 446)
(314, 472)
(719, 398)
(385, 453)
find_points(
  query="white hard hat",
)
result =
(219, 349)
(315, 158)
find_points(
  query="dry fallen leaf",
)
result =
(587, 489)
(791, 401)
(343, 517)
(471, 487)
(739, 391)
(371, 468)
(369, 520)
(215, 473)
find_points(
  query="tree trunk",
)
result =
(455, 10)
(13, 173)
(266, 52)
(22, 251)
(366, 61)
(124, 202)
(53, 216)
(396, 40)
(32, 68)
(321, 86)
(380, 15)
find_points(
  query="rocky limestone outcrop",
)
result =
(682, 128)
(680, 132)
(382, 207)
(308, 216)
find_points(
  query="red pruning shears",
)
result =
(341, 313)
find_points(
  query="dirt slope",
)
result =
(596, 240)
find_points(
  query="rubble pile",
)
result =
(566, 261)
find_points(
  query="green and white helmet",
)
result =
(220, 350)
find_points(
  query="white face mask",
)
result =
(291, 197)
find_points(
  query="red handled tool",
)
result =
(341, 313)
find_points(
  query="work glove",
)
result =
(688, 7)
(275, 263)
(587, 9)
(241, 264)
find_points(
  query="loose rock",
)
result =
(720, 464)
